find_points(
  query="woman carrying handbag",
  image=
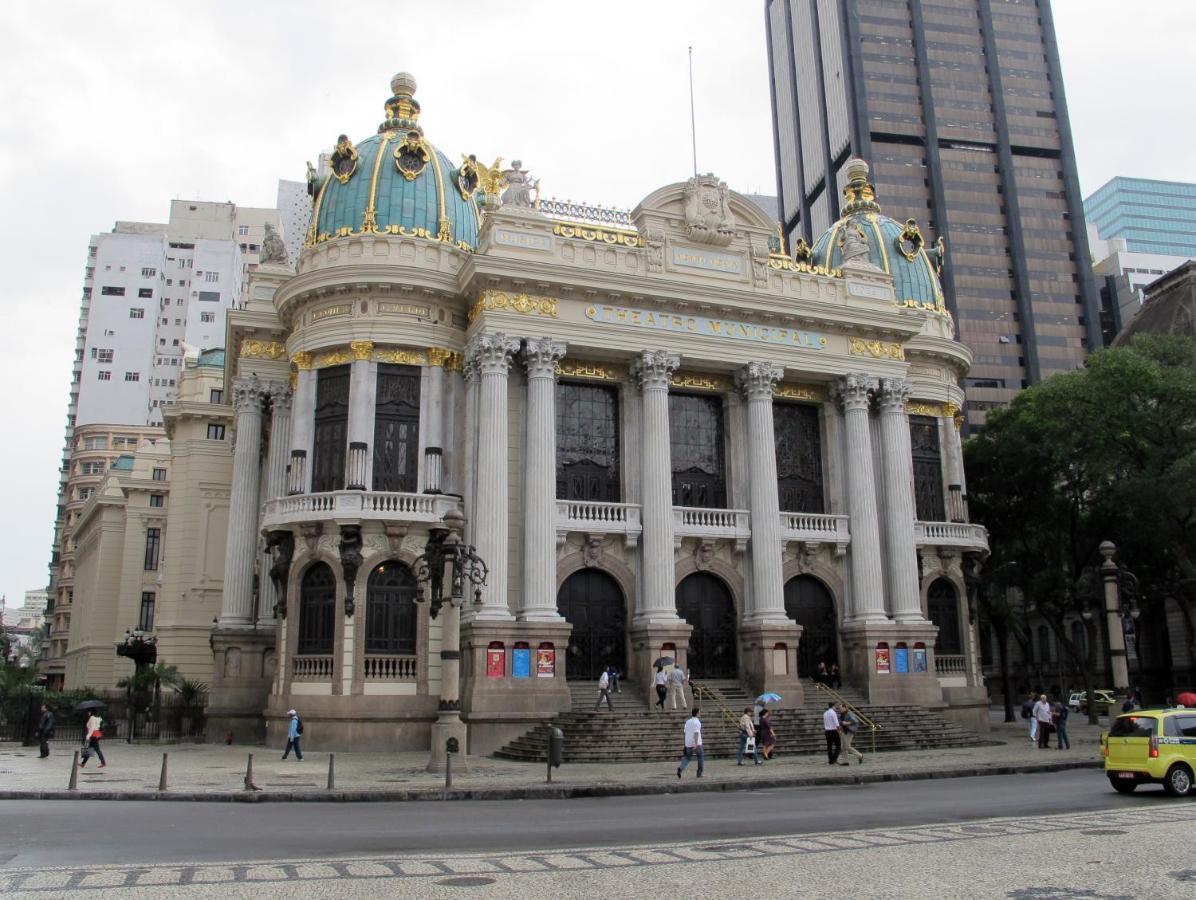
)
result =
(91, 741)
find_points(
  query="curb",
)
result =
(544, 791)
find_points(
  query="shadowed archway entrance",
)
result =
(591, 601)
(810, 605)
(704, 601)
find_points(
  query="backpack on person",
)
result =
(298, 725)
(1027, 709)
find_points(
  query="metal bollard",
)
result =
(450, 747)
(162, 777)
(556, 750)
(249, 785)
(74, 783)
(331, 771)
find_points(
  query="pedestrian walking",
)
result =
(604, 691)
(766, 735)
(836, 680)
(693, 743)
(661, 681)
(294, 730)
(820, 676)
(91, 741)
(830, 725)
(1028, 713)
(677, 681)
(45, 731)
(849, 724)
(1043, 717)
(1059, 717)
(747, 737)
(613, 671)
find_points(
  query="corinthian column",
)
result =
(237, 606)
(766, 604)
(492, 355)
(654, 372)
(867, 587)
(900, 546)
(540, 355)
(469, 373)
(303, 427)
(363, 388)
(277, 459)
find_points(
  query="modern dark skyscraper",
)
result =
(959, 107)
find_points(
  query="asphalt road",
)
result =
(77, 833)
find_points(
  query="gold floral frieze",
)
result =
(577, 369)
(810, 392)
(702, 382)
(785, 264)
(255, 349)
(934, 410)
(338, 357)
(302, 360)
(876, 349)
(523, 304)
(578, 231)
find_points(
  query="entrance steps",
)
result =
(636, 730)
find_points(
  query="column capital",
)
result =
(756, 380)
(854, 391)
(362, 350)
(280, 395)
(302, 360)
(893, 394)
(491, 352)
(540, 356)
(655, 368)
(248, 393)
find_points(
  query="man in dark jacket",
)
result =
(45, 731)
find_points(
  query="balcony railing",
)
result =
(816, 528)
(951, 534)
(592, 517)
(695, 521)
(311, 668)
(951, 665)
(391, 668)
(365, 505)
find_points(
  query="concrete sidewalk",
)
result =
(207, 772)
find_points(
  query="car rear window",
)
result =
(1132, 726)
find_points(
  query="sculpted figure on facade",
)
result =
(281, 547)
(708, 218)
(520, 186)
(351, 559)
(655, 243)
(854, 244)
(274, 251)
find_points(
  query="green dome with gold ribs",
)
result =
(900, 250)
(395, 182)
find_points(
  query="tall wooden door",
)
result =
(704, 601)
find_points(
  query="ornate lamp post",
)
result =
(447, 558)
(1119, 615)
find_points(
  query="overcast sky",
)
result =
(111, 110)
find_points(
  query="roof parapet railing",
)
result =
(589, 213)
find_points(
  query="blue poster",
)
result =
(521, 663)
(919, 659)
(901, 660)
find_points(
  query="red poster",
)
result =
(882, 660)
(496, 662)
(546, 662)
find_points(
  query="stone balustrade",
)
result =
(362, 505)
(593, 517)
(699, 522)
(311, 668)
(950, 665)
(816, 528)
(391, 668)
(964, 535)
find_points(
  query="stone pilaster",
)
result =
(766, 604)
(901, 549)
(433, 432)
(303, 425)
(277, 459)
(492, 354)
(654, 372)
(540, 356)
(867, 578)
(237, 607)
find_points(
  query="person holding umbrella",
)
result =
(91, 732)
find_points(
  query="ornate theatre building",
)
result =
(663, 435)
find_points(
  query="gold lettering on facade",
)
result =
(254, 349)
(523, 304)
(876, 349)
(405, 309)
(702, 382)
(342, 309)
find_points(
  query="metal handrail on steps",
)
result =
(872, 726)
(700, 690)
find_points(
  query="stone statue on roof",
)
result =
(520, 185)
(274, 251)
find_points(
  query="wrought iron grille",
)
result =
(587, 443)
(799, 457)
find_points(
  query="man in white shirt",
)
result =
(693, 743)
(604, 691)
(677, 687)
(830, 725)
(1043, 717)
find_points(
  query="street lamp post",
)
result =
(1115, 616)
(445, 556)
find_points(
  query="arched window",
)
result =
(390, 621)
(1079, 638)
(317, 611)
(942, 604)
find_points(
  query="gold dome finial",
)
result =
(858, 195)
(402, 109)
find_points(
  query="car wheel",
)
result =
(1123, 787)
(1179, 781)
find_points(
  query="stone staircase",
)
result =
(638, 731)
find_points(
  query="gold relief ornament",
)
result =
(401, 357)
(523, 304)
(702, 382)
(362, 350)
(467, 176)
(411, 156)
(344, 159)
(933, 410)
(599, 235)
(876, 349)
(337, 357)
(255, 349)
(491, 180)
(910, 242)
(786, 264)
(811, 392)
(449, 360)
(302, 360)
(587, 370)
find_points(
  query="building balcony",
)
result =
(591, 517)
(950, 665)
(960, 535)
(356, 506)
(712, 524)
(816, 528)
(311, 668)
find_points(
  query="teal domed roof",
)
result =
(396, 182)
(900, 250)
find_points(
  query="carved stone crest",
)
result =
(593, 549)
(708, 218)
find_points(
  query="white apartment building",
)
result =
(294, 210)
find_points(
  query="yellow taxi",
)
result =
(1151, 746)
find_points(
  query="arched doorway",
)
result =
(390, 619)
(942, 608)
(317, 611)
(810, 605)
(705, 603)
(591, 601)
